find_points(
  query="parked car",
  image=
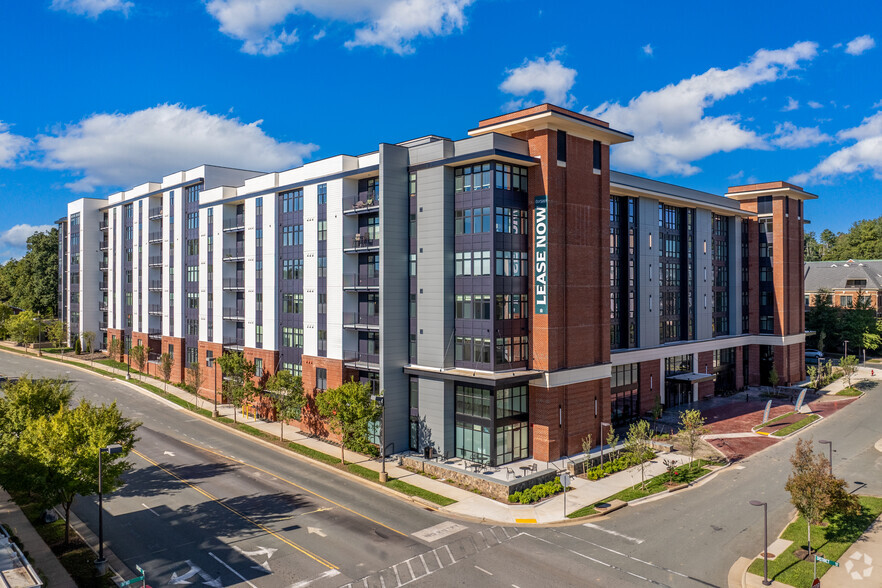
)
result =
(813, 356)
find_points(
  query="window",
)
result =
(258, 206)
(322, 193)
(322, 303)
(598, 155)
(192, 354)
(288, 236)
(511, 220)
(258, 269)
(511, 306)
(472, 350)
(472, 220)
(298, 337)
(171, 351)
(258, 367)
(322, 267)
(472, 401)
(472, 177)
(322, 340)
(511, 177)
(258, 336)
(193, 300)
(413, 264)
(298, 269)
(511, 350)
(292, 303)
(287, 269)
(193, 273)
(192, 192)
(292, 201)
(258, 238)
(210, 215)
(192, 220)
(472, 263)
(473, 306)
(846, 301)
(323, 230)
(193, 327)
(511, 263)
(764, 205)
(193, 247)
(321, 378)
(412, 184)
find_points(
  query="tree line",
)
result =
(832, 325)
(862, 241)
(31, 283)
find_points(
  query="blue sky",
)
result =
(101, 95)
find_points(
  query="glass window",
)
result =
(322, 193)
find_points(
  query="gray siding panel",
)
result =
(647, 219)
(704, 274)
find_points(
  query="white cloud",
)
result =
(788, 136)
(814, 104)
(91, 8)
(392, 24)
(877, 105)
(543, 74)
(128, 149)
(865, 154)
(647, 49)
(11, 146)
(670, 125)
(860, 44)
(791, 105)
(17, 236)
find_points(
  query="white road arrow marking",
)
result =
(169, 453)
(316, 531)
(268, 551)
(304, 583)
(263, 567)
(206, 579)
(184, 579)
(223, 563)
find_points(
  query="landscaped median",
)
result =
(680, 477)
(829, 541)
(786, 424)
(393, 483)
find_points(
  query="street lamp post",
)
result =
(210, 362)
(830, 443)
(602, 425)
(846, 347)
(765, 506)
(101, 563)
(380, 399)
(128, 347)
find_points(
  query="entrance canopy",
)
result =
(691, 377)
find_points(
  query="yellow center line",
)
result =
(239, 461)
(208, 495)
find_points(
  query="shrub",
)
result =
(537, 492)
(78, 349)
(616, 465)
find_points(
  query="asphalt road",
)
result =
(203, 505)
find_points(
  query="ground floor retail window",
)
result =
(472, 441)
(492, 425)
(512, 442)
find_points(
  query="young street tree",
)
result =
(57, 332)
(348, 411)
(238, 379)
(139, 356)
(194, 378)
(638, 443)
(848, 364)
(24, 327)
(692, 427)
(88, 340)
(57, 455)
(115, 349)
(814, 491)
(166, 363)
(288, 398)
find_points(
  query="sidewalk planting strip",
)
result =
(792, 427)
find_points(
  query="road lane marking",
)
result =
(328, 574)
(616, 533)
(223, 563)
(480, 569)
(260, 526)
(439, 531)
(150, 509)
(296, 485)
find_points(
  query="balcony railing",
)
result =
(234, 253)
(360, 282)
(356, 320)
(155, 285)
(102, 266)
(155, 261)
(102, 307)
(154, 237)
(102, 286)
(102, 225)
(154, 213)
(102, 326)
(237, 223)
(363, 241)
(234, 283)
(234, 342)
(234, 313)
(154, 335)
(103, 245)
(361, 358)
(365, 202)
(155, 309)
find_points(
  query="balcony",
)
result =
(103, 225)
(234, 313)
(102, 286)
(103, 245)
(102, 307)
(154, 261)
(365, 202)
(234, 254)
(362, 242)
(154, 237)
(155, 309)
(154, 213)
(102, 326)
(154, 334)
(234, 284)
(356, 282)
(361, 321)
(236, 223)
(155, 286)
(102, 266)
(234, 342)
(361, 360)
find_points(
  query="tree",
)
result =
(288, 398)
(166, 363)
(773, 377)
(57, 332)
(638, 443)
(115, 349)
(812, 373)
(31, 282)
(587, 444)
(5, 313)
(138, 353)
(88, 340)
(238, 379)
(814, 491)
(23, 401)
(23, 328)
(692, 427)
(848, 364)
(348, 411)
(823, 318)
(194, 377)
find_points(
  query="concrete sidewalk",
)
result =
(40, 556)
(468, 504)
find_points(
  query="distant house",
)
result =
(846, 281)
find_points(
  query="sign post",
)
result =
(827, 561)
(565, 481)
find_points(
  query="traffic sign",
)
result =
(565, 479)
(132, 581)
(826, 561)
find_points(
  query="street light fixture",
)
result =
(765, 506)
(101, 563)
(830, 443)
(380, 400)
(846, 347)
(602, 425)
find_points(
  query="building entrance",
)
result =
(677, 393)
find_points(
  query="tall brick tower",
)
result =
(774, 289)
(569, 318)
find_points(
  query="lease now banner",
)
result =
(540, 260)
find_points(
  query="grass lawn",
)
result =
(849, 392)
(653, 486)
(777, 419)
(796, 426)
(114, 364)
(831, 542)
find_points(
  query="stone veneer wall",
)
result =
(498, 489)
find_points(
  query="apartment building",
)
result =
(850, 283)
(507, 291)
